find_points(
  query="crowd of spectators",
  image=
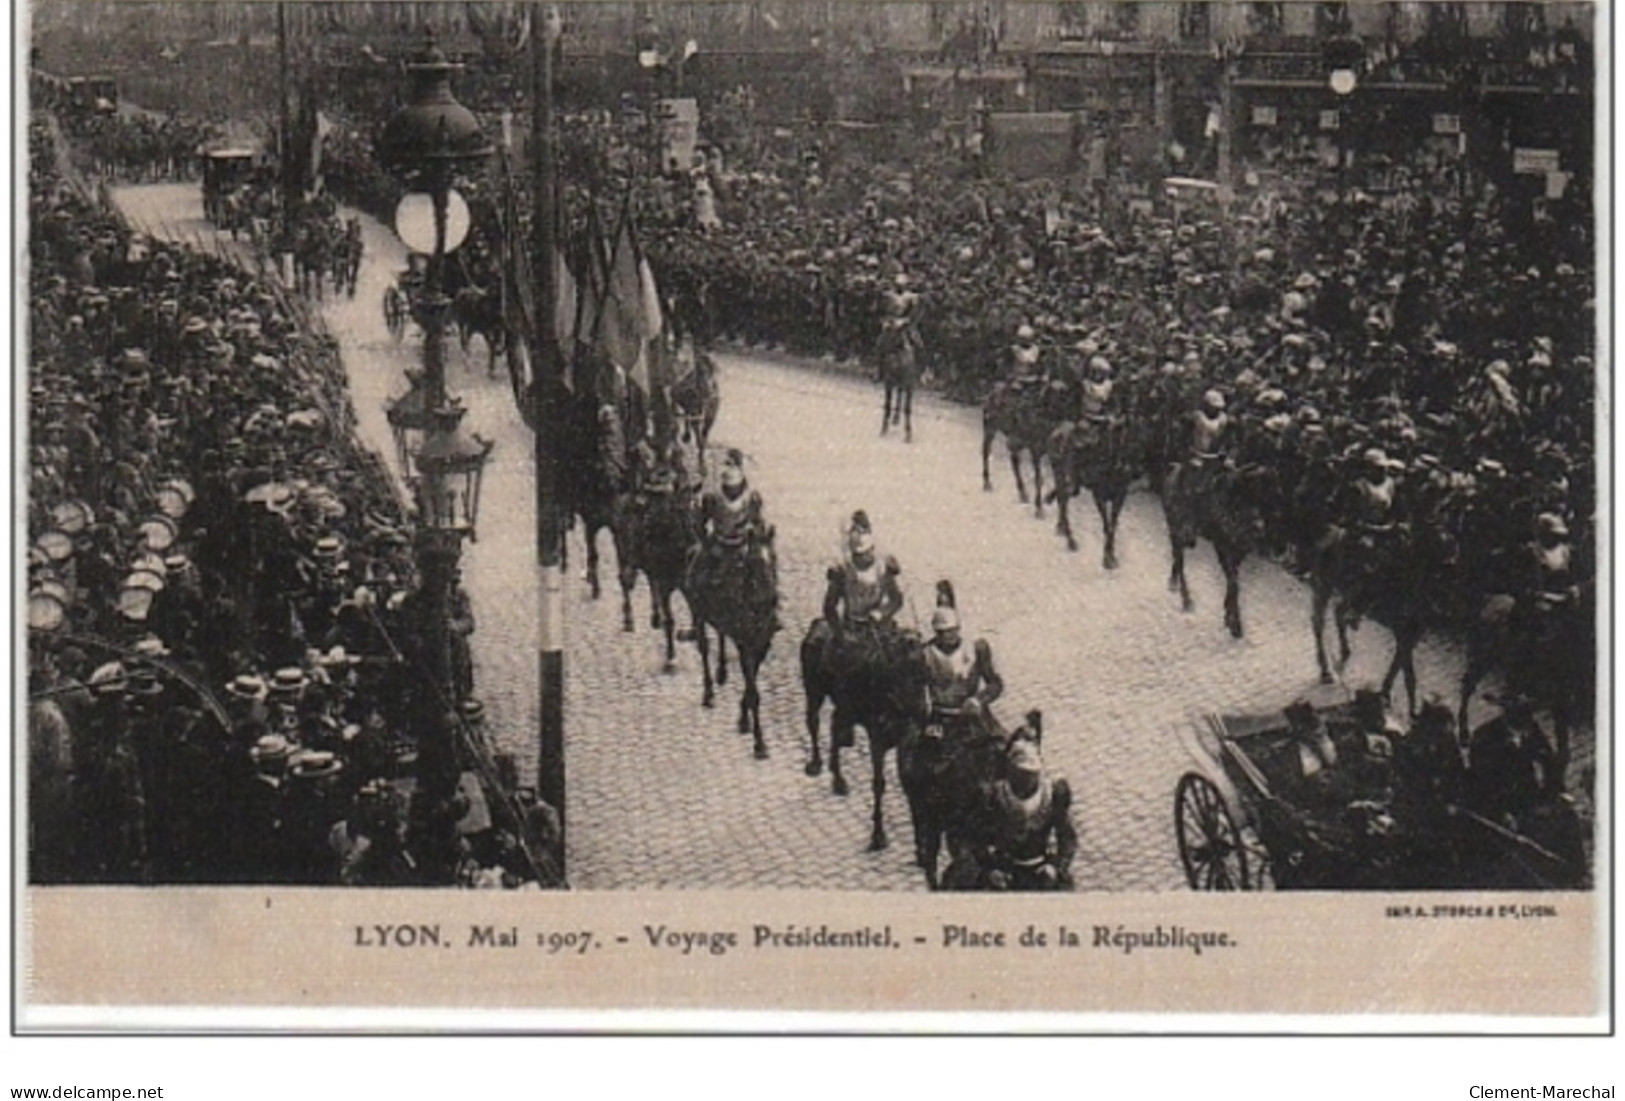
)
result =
(227, 618)
(1404, 303)
(1454, 326)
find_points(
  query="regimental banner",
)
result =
(1447, 124)
(679, 133)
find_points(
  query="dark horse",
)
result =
(696, 400)
(655, 535)
(876, 682)
(1544, 650)
(589, 480)
(897, 354)
(737, 594)
(347, 254)
(1388, 576)
(477, 311)
(1220, 505)
(1026, 415)
(1103, 457)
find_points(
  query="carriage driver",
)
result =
(961, 680)
(863, 593)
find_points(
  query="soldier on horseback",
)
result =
(863, 595)
(1372, 505)
(961, 680)
(612, 452)
(1023, 367)
(1210, 438)
(1096, 398)
(1033, 840)
(732, 528)
(899, 301)
(1211, 432)
(657, 470)
(1553, 588)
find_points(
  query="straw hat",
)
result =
(247, 687)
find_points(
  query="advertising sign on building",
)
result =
(679, 132)
(1033, 145)
(1535, 162)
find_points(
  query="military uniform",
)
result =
(863, 594)
(730, 521)
(1096, 400)
(1024, 828)
(961, 676)
(1210, 437)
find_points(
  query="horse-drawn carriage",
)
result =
(226, 173)
(1264, 808)
(400, 297)
(92, 95)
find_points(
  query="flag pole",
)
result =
(285, 144)
(547, 379)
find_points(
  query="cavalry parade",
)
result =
(1336, 406)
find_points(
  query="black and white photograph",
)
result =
(992, 446)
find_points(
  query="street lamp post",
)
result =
(426, 143)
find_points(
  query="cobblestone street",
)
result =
(663, 793)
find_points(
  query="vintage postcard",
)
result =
(1085, 514)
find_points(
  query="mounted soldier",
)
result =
(658, 468)
(1097, 398)
(1371, 509)
(732, 528)
(961, 681)
(897, 356)
(1552, 588)
(1033, 840)
(863, 594)
(1023, 366)
(1209, 438)
(1211, 433)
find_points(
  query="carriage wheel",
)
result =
(1210, 845)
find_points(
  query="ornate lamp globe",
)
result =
(433, 133)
